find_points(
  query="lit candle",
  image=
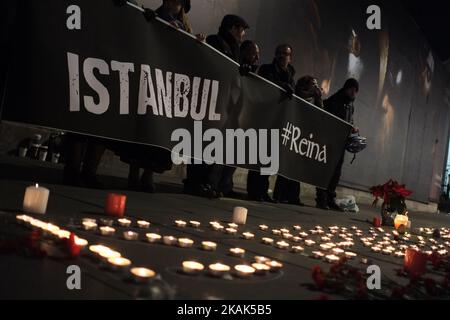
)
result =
(142, 224)
(287, 236)
(282, 245)
(325, 247)
(244, 271)
(89, 225)
(261, 259)
(115, 205)
(124, 222)
(267, 241)
(263, 227)
(274, 265)
(248, 235)
(153, 237)
(276, 232)
(118, 263)
(399, 254)
(192, 267)
(297, 249)
(96, 249)
(209, 246)
(180, 223)
(108, 254)
(317, 254)
(337, 251)
(260, 268)
(36, 199)
(303, 234)
(106, 222)
(297, 239)
(284, 230)
(218, 269)
(331, 258)
(297, 228)
(309, 242)
(169, 240)
(325, 239)
(142, 274)
(185, 242)
(130, 235)
(194, 224)
(218, 227)
(237, 252)
(62, 234)
(240, 215)
(233, 225)
(376, 249)
(367, 243)
(350, 255)
(107, 231)
(82, 243)
(387, 252)
(230, 231)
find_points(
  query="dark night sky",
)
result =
(433, 18)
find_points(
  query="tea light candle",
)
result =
(350, 255)
(192, 267)
(296, 249)
(82, 243)
(124, 222)
(282, 245)
(267, 241)
(284, 230)
(376, 249)
(96, 249)
(218, 269)
(185, 242)
(387, 252)
(142, 274)
(118, 263)
(309, 242)
(142, 224)
(240, 215)
(297, 239)
(325, 247)
(107, 231)
(325, 239)
(276, 232)
(331, 258)
(233, 225)
(108, 254)
(337, 251)
(62, 234)
(153, 237)
(237, 252)
(287, 236)
(399, 254)
(248, 235)
(115, 205)
(260, 268)
(230, 231)
(261, 259)
(297, 228)
(263, 227)
(367, 244)
(180, 223)
(274, 265)
(209, 246)
(36, 199)
(317, 254)
(218, 227)
(194, 224)
(303, 234)
(89, 225)
(169, 240)
(244, 271)
(130, 235)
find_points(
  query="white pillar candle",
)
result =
(36, 199)
(240, 215)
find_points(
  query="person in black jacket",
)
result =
(215, 180)
(341, 105)
(282, 73)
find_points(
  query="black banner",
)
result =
(96, 68)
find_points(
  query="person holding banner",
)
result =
(341, 105)
(282, 73)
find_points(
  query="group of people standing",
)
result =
(214, 181)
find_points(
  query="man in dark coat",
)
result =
(282, 73)
(341, 105)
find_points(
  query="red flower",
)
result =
(318, 276)
(388, 189)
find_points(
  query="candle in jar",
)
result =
(36, 199)
(130, 235)
(237, 252)
(282, 245)
(153, 237)
(185, 242)
(169, 240)
(248, 235)
(115, 205)
(180, 223)
(118, 263)
(107, 231)
(240, 215)
(142, 224)
(142, 274)
(244, 271)
(192, 267)
(260, 268)
(268, 241)
(194, 224)
(263, 227)
(124, 222)
(209, 246)
(218, 269)
(89, 225)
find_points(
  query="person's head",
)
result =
(174, 6)
(249, 53)
(283, 55)
(307, 83)
(235, 26)
(351, 88)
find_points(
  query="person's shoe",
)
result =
(333, 206)
(322, 206)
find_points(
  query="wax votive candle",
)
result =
(240, 215)
(36, 199)
(115, 205)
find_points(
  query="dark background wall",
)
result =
(403, 106)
